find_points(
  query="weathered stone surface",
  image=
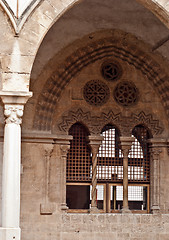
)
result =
(55, 55)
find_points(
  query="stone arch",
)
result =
(112, 123)
(45, 14)
(145, 126)
(159, 8)
(42, 17)
(9, 13)
(121, 46)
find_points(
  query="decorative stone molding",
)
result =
(120, 47)
(19, 20)
(96, 123)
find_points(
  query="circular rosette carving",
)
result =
(96, 92)
(111, 70)
(126, 94)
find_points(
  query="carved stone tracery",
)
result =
(96, 92)
(111, 70)
(96, 123)
(126, 94)
(121, 47)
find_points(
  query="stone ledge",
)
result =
(10, 233)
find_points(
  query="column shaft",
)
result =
(155, 178)
(126, 143)
(94, 180)
(11, 176)
(13, 111)
(125, 182)
(64, 152)
(95, 142)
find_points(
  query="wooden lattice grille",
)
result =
(79, 156)
(110, 157)
(139, 157)
(110, 162)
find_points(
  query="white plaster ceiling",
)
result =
(22, 5)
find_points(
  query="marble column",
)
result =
(13, 112)
(126, 143)
(95, 142)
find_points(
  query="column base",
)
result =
(10, 233)
(94, 210)
(64, 207)
(125, 210)
(155, 209)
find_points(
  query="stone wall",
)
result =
(59, 225)
(96, 227)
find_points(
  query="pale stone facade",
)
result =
(47, 56)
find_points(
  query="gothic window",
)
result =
(78, 169)
(139, 170)
(110, 170)
(109, 161)
(109, 193)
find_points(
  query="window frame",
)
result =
(88, 210)
(108, 183)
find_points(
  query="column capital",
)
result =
(155, 152)
(64, 150)
(13, 114)
(13, 105)
(95, 142)
(155, 147)
(125, 143)
(48, 148)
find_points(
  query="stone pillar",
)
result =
(13, 111)
(48, 154)
(126, 143)
(64, 151)
(64, 147)
(47, 208)
(155, 151)
(95, 142)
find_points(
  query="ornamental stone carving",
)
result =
(96, 92)
(13, 114)
(100, 49)
(126, 94)
(111, 70)
(96, 123)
